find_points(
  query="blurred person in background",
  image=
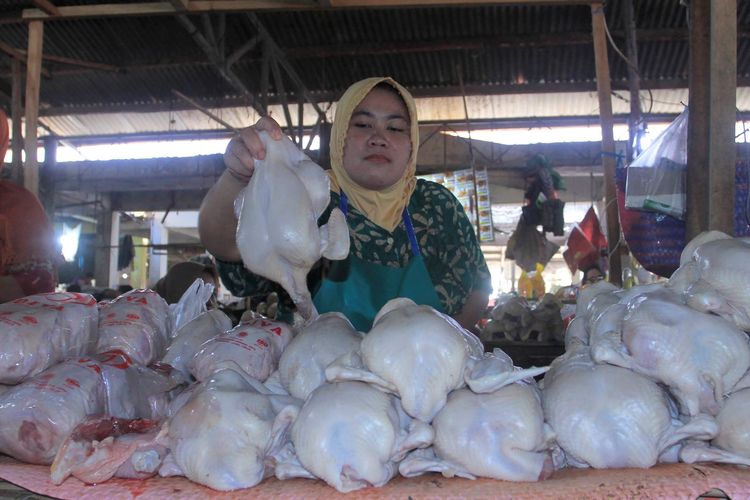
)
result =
(29, 253)
(179, 278)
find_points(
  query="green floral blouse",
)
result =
(446, 239)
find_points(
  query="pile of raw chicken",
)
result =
(135, 388)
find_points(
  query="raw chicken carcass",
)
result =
(37, 415)
(254, 346)
(303, 363)
(512, 317)
(277, 232)
(699, 356)
(421, 355)
(136, 322)
(713, 276)
(732, 443)
(546, 322)
(189, 338)
(352, 436)
(501, 435)
(226, 433)
(39, 331)
(608, 417)
(103, 447)
(412, 351)
(134, 391)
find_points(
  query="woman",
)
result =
(409, 237)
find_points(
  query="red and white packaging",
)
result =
(137, 323)
(254, 346)
(37, 415)
(39, 331)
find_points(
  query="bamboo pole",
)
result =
(33, 75)
(604, 88)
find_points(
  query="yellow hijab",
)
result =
(382, 207)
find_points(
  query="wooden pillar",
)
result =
(712, 115)
(33, 74)
(634, 84)
(604, 88)
(47, 178)
(16, 109)
(107, 245)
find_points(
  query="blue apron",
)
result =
(365, 287)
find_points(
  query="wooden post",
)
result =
(16, 109)
(712, 151)
(604, 88)
(33, 73)
(47, 177)
(634, 84)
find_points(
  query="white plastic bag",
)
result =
(191, 305)
(656, 179)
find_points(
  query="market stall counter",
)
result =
(661, 481)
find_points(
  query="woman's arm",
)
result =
(217, 223)
(473, 310)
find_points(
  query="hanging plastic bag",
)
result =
(587, 244)
(527, 246)
(656, 179)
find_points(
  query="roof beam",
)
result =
(198, 6)
(47, 7)
(21, 55)
(329, 96)
(218, 60)
(281, 59)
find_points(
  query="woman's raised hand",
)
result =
(246, 146)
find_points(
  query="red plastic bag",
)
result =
(586, 243)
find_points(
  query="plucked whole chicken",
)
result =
(352, 436)
(714, 276)
(501, 435)
(607, 417)
(277, 232)
(413, 351)
(421, 355)
(732, 443)
(699, 356)
(226, 432)
(303, 362)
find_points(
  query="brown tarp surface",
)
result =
(662, 481)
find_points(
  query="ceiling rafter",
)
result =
(279, 55)
(218, 61)
(198, 6)
(47, 7)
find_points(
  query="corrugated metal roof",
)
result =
(500, 51)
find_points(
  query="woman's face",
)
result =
(378, 141)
